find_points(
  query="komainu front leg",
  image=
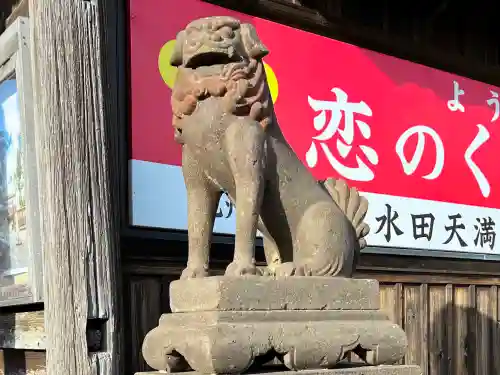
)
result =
(245, 151)
(202, 199)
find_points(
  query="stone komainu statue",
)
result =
(231, 141)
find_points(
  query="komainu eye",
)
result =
(226, 32)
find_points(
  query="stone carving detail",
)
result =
(304, 310)
(221, 325)
(231, 142)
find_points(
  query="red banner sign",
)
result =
(388, 126)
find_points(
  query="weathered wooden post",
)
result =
(78, 164)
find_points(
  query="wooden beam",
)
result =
(26, 331)
(19, 362)
(5, 11)
(22, 331)
(24, 362)
(77, 164)
(21, 9)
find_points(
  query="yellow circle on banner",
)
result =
(272, 82)
(169, 72)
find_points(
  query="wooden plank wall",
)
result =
(452, 328)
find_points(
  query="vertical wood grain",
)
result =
(460, 328)
(495, 342)
(391, 302)
(437, 328)
(145, 311)
(484, 327)
(413, 324)
(470, 342)
(387, 299)
(165, 292)
(424, 338)
(449, 327)
(78, 186)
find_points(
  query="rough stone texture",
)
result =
(231, 141)
(376, 370)
(268, 293)
(230, 335)
(230, 342)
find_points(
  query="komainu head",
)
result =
(216, 40)
(219, 57)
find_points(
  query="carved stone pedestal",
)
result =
(226, 325)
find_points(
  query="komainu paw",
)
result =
(191, 272)
(242, 269)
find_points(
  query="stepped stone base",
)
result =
(375, 370)
(223, 325)
(222, 293)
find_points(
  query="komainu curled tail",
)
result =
(352, 205)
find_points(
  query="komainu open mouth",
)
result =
(211, 58)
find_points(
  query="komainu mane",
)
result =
(242, 85)
(231, 141)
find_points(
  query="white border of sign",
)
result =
(158, 200)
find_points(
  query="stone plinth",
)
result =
(222, 293)
(225, 325)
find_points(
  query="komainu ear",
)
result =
(254, 47)
(176, 58)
